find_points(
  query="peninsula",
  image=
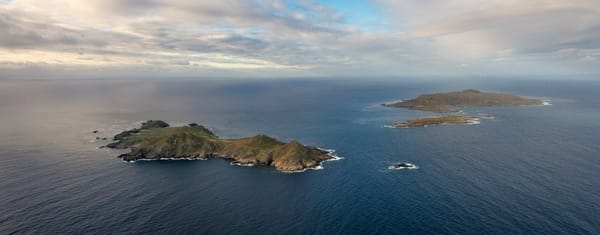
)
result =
(156, 140)
(442, 103)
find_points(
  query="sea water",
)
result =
(529, 170)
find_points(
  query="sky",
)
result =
(299, 38)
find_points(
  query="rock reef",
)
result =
(402, 165)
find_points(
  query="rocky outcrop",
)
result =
(402, 165)
(154, 124)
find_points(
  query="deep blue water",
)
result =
(531, 170)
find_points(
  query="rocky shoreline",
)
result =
(156, 140)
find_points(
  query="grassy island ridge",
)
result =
(430, 121)
(439, 102)
(155, 141)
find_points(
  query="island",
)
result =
(437, 120)
(156, 140)
(441, 103)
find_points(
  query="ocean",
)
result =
(530, 170)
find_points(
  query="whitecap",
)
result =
(412, 167)
(391, 102)
(330, 152)
(241, 164)
(473, 121)
(485, 116)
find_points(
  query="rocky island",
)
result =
(156, 140)
(442, 103)
(437, 120)
(402, 165)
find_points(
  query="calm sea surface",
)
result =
(531, 170)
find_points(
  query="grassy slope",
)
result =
(199, 142)
(440, 101)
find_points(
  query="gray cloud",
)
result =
(424, 37)
(18, 33)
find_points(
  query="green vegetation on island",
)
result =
(155, 140)
(440, 102)
(430, 121)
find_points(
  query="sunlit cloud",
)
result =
(300, 38)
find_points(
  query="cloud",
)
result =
(484, 28)
(233, 30)
(21, 33)
(299, 38)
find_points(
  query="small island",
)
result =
(156, 140)
(437, 120)
(441, 103)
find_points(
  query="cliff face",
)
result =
(196, 141)
(440, 102)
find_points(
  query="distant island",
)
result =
(441, 103)
(155, 140)
(430, 121)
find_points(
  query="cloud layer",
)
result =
(297, 38)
